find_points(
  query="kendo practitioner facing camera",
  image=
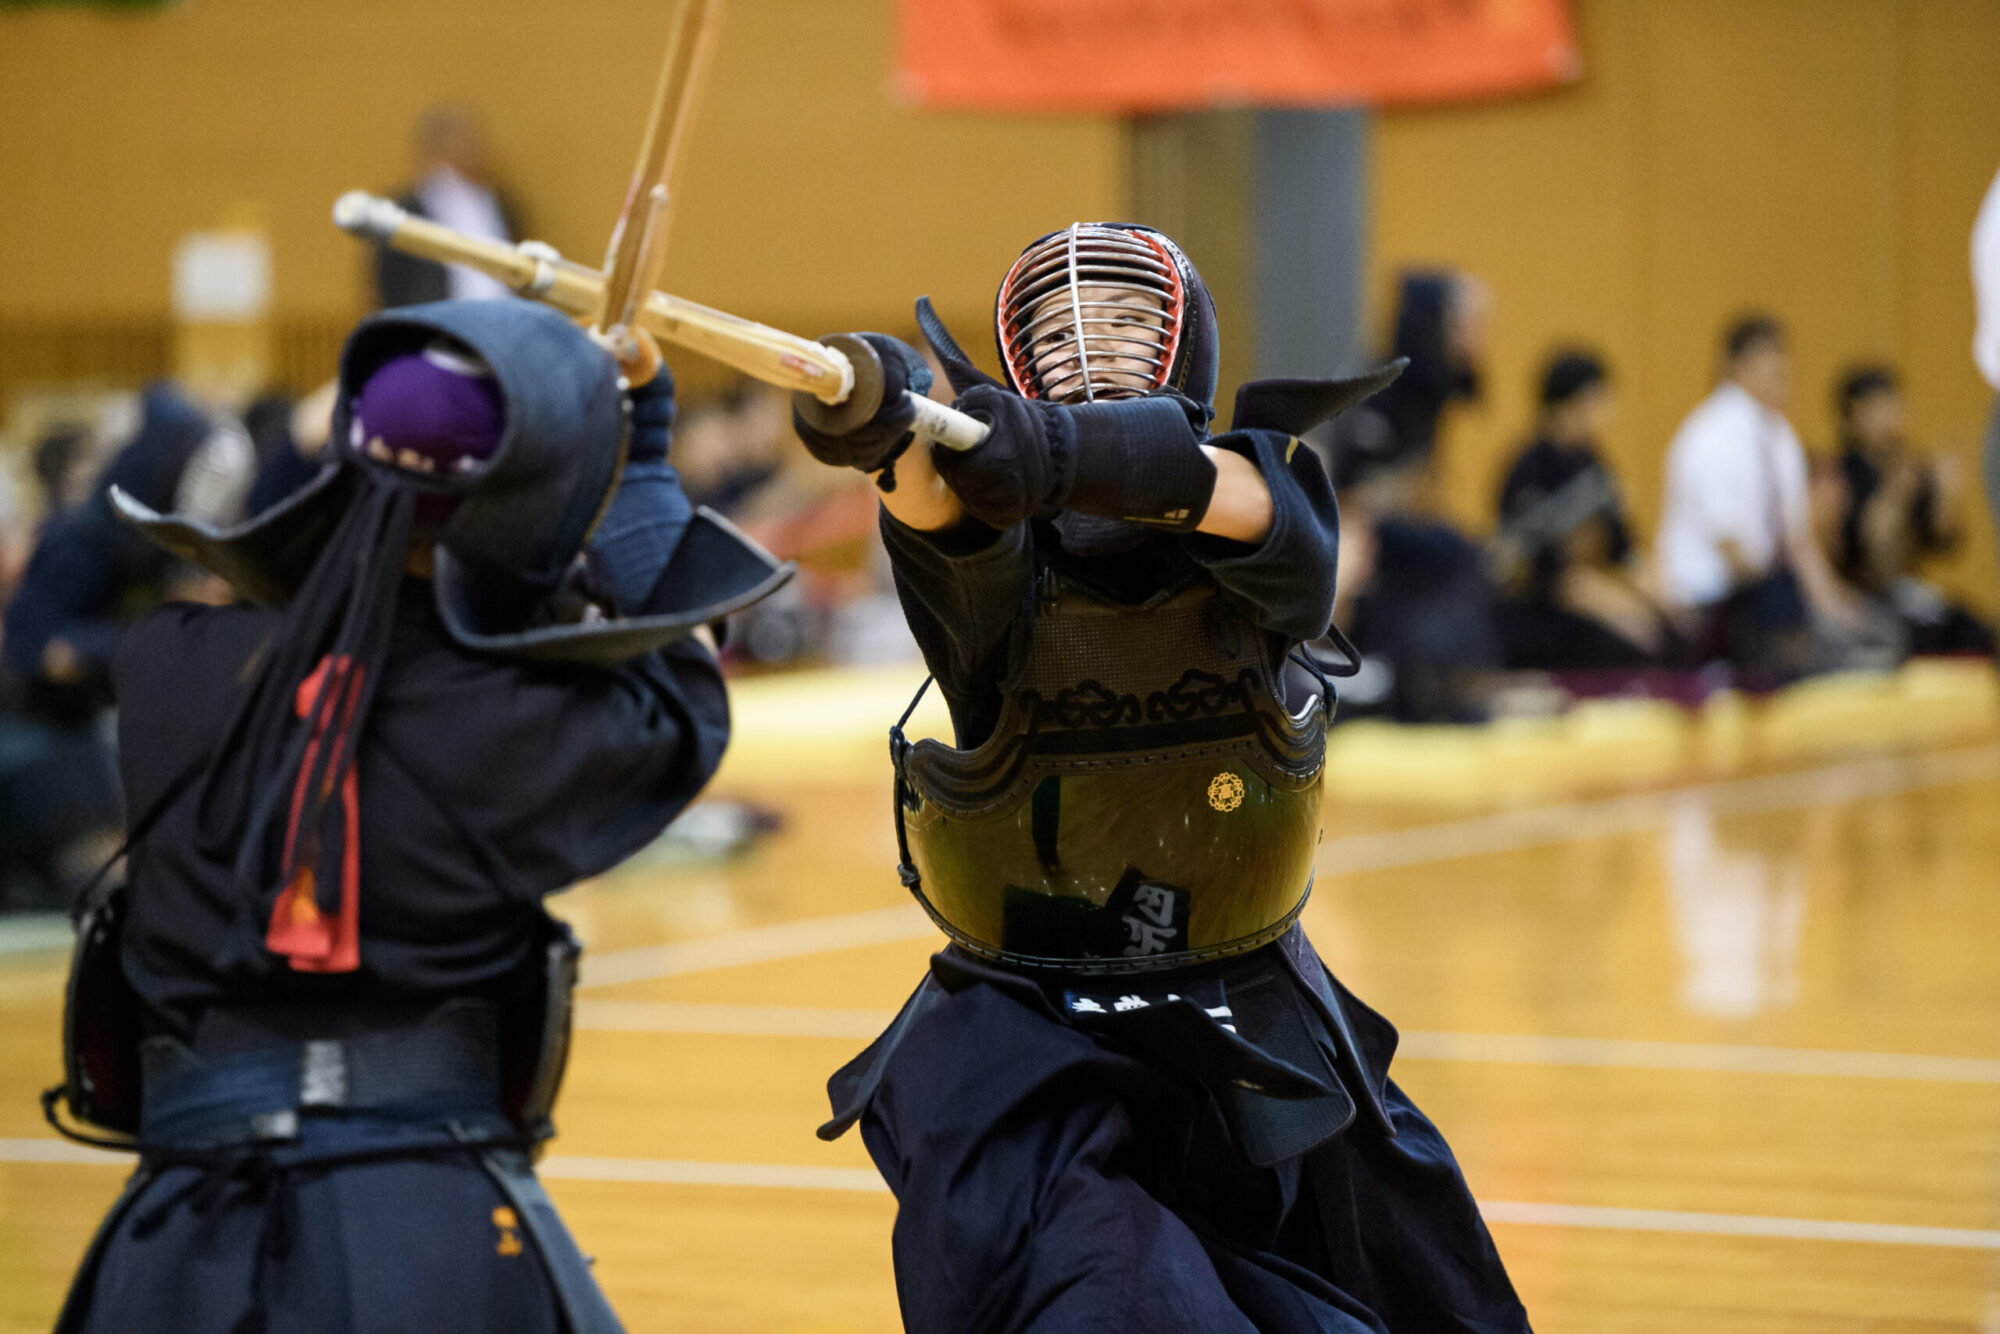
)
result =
(329, 1009)
(1128, 1095)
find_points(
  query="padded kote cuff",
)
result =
(1139, 459)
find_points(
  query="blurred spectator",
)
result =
(1986, 341)
(90, 575)
(62, 462)
(722, 465)
(1564, 551)
(1441, 320)
(1895, 508)
(288, 438)
(15, 535)
(738, 456)
(1735, 541)
(1413, 594)
(454, 186)
(61, 467)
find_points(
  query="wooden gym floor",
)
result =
(1719, 1051)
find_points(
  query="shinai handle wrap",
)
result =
(823, 373)
(945, 424)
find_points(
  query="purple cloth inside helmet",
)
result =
(433, 413)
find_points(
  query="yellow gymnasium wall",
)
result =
(809, 198)
(1823, 159)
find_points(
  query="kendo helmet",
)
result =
(512, 503)
(1105, 310)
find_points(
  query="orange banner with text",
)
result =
(1163, 55)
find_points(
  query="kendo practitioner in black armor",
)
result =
(329, 1009)
(1128, 1095)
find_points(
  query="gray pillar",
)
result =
(1272, 206)
(1309, 241)
(1191, 178)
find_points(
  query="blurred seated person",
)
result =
(1736, 548)
(89, 577)
(739, 456)
(729, 449)
(287, 437)
(16, 535)
(1564, 554)
(454, 186)
(1897, 508)
(63, 459)
(1413, 593)
(1441, 320)
(60, 467)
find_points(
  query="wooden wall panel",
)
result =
(810, 198)
(1823, 160)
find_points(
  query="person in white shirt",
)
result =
(1735, 542)
(455, 187)
(1986, 341)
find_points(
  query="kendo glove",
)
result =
(652, 419)
(1136, 458)
(1024, 465)
(648, 513)
(879, 441)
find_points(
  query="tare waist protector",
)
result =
(1146, 800)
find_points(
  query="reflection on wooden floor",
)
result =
(1719, 1056)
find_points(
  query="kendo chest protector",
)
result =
(1146, 800)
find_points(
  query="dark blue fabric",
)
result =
(280, 473)
(648, 513)
(1048, 1180)
(90, 574)
(396, 1243)
(1429, 614)
(74, 589)
(58, 785)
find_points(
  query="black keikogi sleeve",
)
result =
(1287, 579)
(963, 593)
(485, 783)
(569, 769)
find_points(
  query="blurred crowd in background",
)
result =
(1771, 562)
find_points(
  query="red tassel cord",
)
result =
(313, 942)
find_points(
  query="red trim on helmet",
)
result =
(1019, 364)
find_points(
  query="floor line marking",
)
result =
(675, 1172)
(778, 1021)
(757, 944)
(45, 1150)
(31, 932)
(1625, 1053)
(863, 1180)
(788, 1021)
(1536, 1214)
(1505, 831)
(1641, 812)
